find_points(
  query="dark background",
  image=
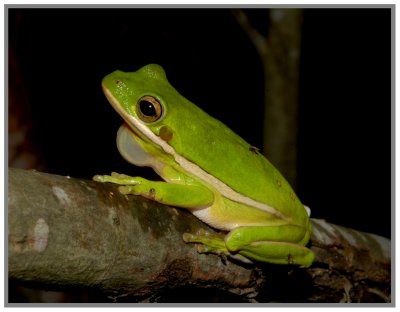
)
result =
(344, 147)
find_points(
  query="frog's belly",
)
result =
(227, 215)
(206, 215)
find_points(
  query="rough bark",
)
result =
(68, 233)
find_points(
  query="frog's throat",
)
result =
(187, 165)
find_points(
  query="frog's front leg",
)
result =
(273, 244)
(179, 195)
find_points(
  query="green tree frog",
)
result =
(207, 169)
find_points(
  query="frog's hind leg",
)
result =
(274, 244)
(278, 253)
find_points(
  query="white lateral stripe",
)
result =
(194, 169)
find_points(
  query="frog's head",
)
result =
(134, 94)
(142, 98)
(152, 109)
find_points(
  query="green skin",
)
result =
(207, 169)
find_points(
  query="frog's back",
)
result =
(216, 149)
(236, 163)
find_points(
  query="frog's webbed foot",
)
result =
(211, 243)
(118, 178)
(129, 185)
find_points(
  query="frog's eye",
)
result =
(149, 109)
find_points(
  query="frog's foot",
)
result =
(210, 243)
(130, 185)
(117, 178)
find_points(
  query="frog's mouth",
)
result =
(134, 125)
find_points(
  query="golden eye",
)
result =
(149, 109)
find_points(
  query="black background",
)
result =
(344, 148)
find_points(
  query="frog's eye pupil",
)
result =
(149, 109)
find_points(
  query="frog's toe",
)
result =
(119, 175)
(103, 178)
(200, 236)
(127, 189)
(188, 237)
(208, 249)
(98, 178)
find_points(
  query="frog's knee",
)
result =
(234, 241)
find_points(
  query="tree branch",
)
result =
(259, 41)
(279, 52)
(66, 232)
